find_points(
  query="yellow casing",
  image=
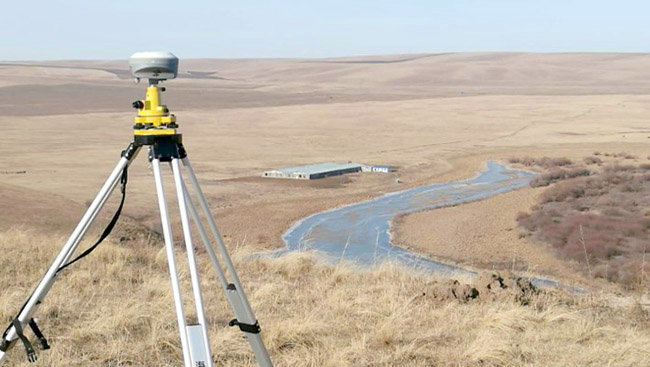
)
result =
(151, 132)
(153, 118)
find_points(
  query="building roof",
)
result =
(311, 169)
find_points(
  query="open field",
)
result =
(312, 315)
(437, 117)
(472, 235)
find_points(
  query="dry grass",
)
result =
(115, 309)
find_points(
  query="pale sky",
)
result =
(99, 29)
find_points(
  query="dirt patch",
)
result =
(486, 286)
(56, 215)
(20, 207)
(332, 182)
(482, 234)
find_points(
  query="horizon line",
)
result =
(421, 54)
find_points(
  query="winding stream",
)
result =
(360, 232)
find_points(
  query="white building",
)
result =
(377, 168)
(313, 171)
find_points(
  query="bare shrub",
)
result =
(613, 212)
(632, 187)
(553, 162)
(593, 160)
(558, 174)
(616, 167)
(561, 161)
(600, 218)
(526, 161)
(577, 172)
(545, 162)
(624, 155)
(562, 192)
(539, 181)
(614, 178)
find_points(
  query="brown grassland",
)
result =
(436, 117)
(114, 309)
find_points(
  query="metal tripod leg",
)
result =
(70, 246)
(201, 330)
(171, 259)
(234, 291)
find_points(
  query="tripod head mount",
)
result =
(153, 118)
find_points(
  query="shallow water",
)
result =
(360, 232)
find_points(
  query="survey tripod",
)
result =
(155, 128)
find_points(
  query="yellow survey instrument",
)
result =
(153, 118)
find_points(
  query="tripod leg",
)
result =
(68, 249)
(231, 293)
(171, 259)
(191, 258)
(206, 240)
(235, 292)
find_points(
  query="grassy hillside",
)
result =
(437, 117)
(115, 309)
(228, 83)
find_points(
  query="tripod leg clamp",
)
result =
(247, 328)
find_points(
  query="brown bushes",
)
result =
(557, 169)
(593, 160)
(600, 219)
(545, 162)
(622, 155)
(558, 174)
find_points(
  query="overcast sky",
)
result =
(98, 29)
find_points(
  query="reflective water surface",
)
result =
(360, 232)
